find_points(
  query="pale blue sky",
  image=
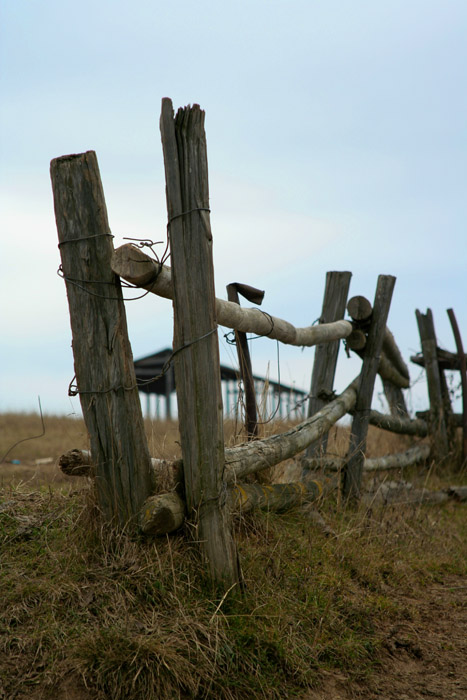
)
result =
(336, 140)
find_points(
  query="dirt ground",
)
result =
(426, 659)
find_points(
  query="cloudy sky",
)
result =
(336, 138)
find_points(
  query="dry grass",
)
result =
(87, 613)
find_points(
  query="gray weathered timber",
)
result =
(195, 336)
(399, 424)
(244, 359)
(392, 364)
(165, 513)
(463, 371)
(325, 360)
(371, 361)
(103, 361)
(359, 308)
(398, 460)
(138, 268)
(261, 454)
(395, 399)
(437, 421)
(394, 355)
(446, 359)
(79, 463)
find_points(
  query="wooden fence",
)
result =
(208, 477)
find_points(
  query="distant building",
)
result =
(156, 381)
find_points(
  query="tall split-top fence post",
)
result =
(105, 376)
(371, 360)
(197, 366)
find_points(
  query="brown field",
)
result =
(66, 433)
(374, 608)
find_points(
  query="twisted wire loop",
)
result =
(73, 389)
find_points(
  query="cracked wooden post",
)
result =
(105, 375)
(197, 374)
(371, 360)
(325, 360)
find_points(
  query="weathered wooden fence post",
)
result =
(371, 359)
(438, 428)
(197, 372)
(463, 373)
(244, 361)
(393, 370)
(325, 361)
(105, 376)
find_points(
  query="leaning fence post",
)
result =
(463, 372)
(244, 360)
(438, 429)
(197, 373)
(324, 365)
(371, 358)
(105, 376)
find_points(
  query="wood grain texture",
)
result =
(103, 359)
(246, 372)
(325, 360)
(140, 269)
(197, 372)
(438, 428)
(371, 361)
(165, 513)
(400, 424)
(398, 460)
(261, 454)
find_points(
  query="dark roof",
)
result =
(150, 368)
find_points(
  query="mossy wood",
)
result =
(165, 513)
(325, 360)
(105, 375)
(197, 372)
(371, 360)
(143, 271)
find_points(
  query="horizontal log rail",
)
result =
(77, 462)
(456, 418)
(446, 360)
(165, 512)
(399, 460)
(255, 455)
(399, 424)
(133, 265)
